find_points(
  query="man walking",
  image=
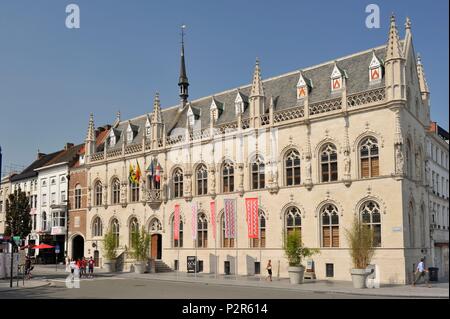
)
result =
(91, 267)
(421, 272)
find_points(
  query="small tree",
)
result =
(295, 251)
(18, 218)
(110, 245)
(140, 245)
(360, 240)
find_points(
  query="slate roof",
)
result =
(281, 88)
(40, 162)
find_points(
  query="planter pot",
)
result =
(109, 265)
(296, 274)
(139, 267)
(359, 278)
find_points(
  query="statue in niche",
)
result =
(347, 163)
(399, 160)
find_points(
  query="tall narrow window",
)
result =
(202, 180)
(133, 229)
(328, 163)
(409, 168)
(115, 189)
(44, 222)
(260, 242)
(368, 152)
(292, 162)
(411, 225)
(178, 242)
(98, 193)
(293, 220)
(78, 197)
(115, 231)
(330, 226)
(228, 177)
(226, 242)
(97, 228)
(134, 192)
(370, 216)
(178, 183)
(202, 231)
(258, 173)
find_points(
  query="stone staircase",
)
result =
(161, 266)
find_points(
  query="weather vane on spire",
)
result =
(183, 26)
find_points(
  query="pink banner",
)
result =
(251, 205)
(176, 223)
(230, 218)
(213, 217)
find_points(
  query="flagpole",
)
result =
(236, 230)
(259, 240)
(215, 237)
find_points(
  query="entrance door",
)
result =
(77, 247)
(96, 258)
(156, 247)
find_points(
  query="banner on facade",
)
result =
(194, 220)
(251, 206)
(176, 223)
(230, 218)
(213, 217)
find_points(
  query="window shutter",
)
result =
(335, 234)
(326, 236)
(375, 167)
(364, 167)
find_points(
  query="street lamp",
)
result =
(67, 218)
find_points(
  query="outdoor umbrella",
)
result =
(43, 246)
(31, 246)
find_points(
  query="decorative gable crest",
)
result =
(304, 85)
(148, 127)
(375, 69)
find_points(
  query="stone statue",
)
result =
(308, 168)
(399, 161)
(123, 190)
(347, 162)
(188, 185)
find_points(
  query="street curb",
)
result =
(8, 289)
(290, 289)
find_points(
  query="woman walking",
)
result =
(269, 270)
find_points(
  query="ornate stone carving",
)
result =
(240, 167)
(123, 194)
(399, 160)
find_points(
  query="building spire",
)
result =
(183, 82)
(90, 137)
(257, 86)
(393, 47)
(421, 74)
(156, 118)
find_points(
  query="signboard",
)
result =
(191, 260)
(396, 229)
(16, 239)
(58, 230)
(57, 249)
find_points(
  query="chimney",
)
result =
(68, 145)
(40, 155)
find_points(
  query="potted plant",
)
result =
(110, 251)
(360, 240)
(295, 253)
(140, 249)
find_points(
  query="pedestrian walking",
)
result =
(91, 267)
(83, 267)
(421, 272)
(28, 267)
(72, 265)
(269, 270)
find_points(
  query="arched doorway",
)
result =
(77, 247)
(156, 246)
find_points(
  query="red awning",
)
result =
(43, 246)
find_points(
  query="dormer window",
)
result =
(112, 138)
(148, 128)
(131, 130)
(216, 108)
(337, 78)
(192, 115)
(130, 137)
(375, 69)
(303, 87)
(239, 103)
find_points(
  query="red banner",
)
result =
(176, 223)
(251, 206)
(230, 216)
(213, 217)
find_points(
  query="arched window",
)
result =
(115, 231)
(133, 229)
(293, 220)
(177, 242)
(78, 196)
(368, 153)
(330, 226)
(202, 180)
(411, 224)
(98, 190)
(370, 216)
(134, 192)
(202, 231)
(328, 163)
(225, 242)
(292, 162)
(44, 220)
(155, 226)
(115, 189)
(422, 224)
(228, 177)
(255, 242)
(97, 228)
(409, 168)
(258, 173)
(178, 183)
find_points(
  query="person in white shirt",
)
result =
(421, 271)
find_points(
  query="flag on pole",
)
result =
(176, 223)
(158, 173)
(230, 216)
(251, 205)
(194, 220)
(213, 217)
(151, 169)
(138, 173)
(131, 175)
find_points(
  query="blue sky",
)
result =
(52, 77)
